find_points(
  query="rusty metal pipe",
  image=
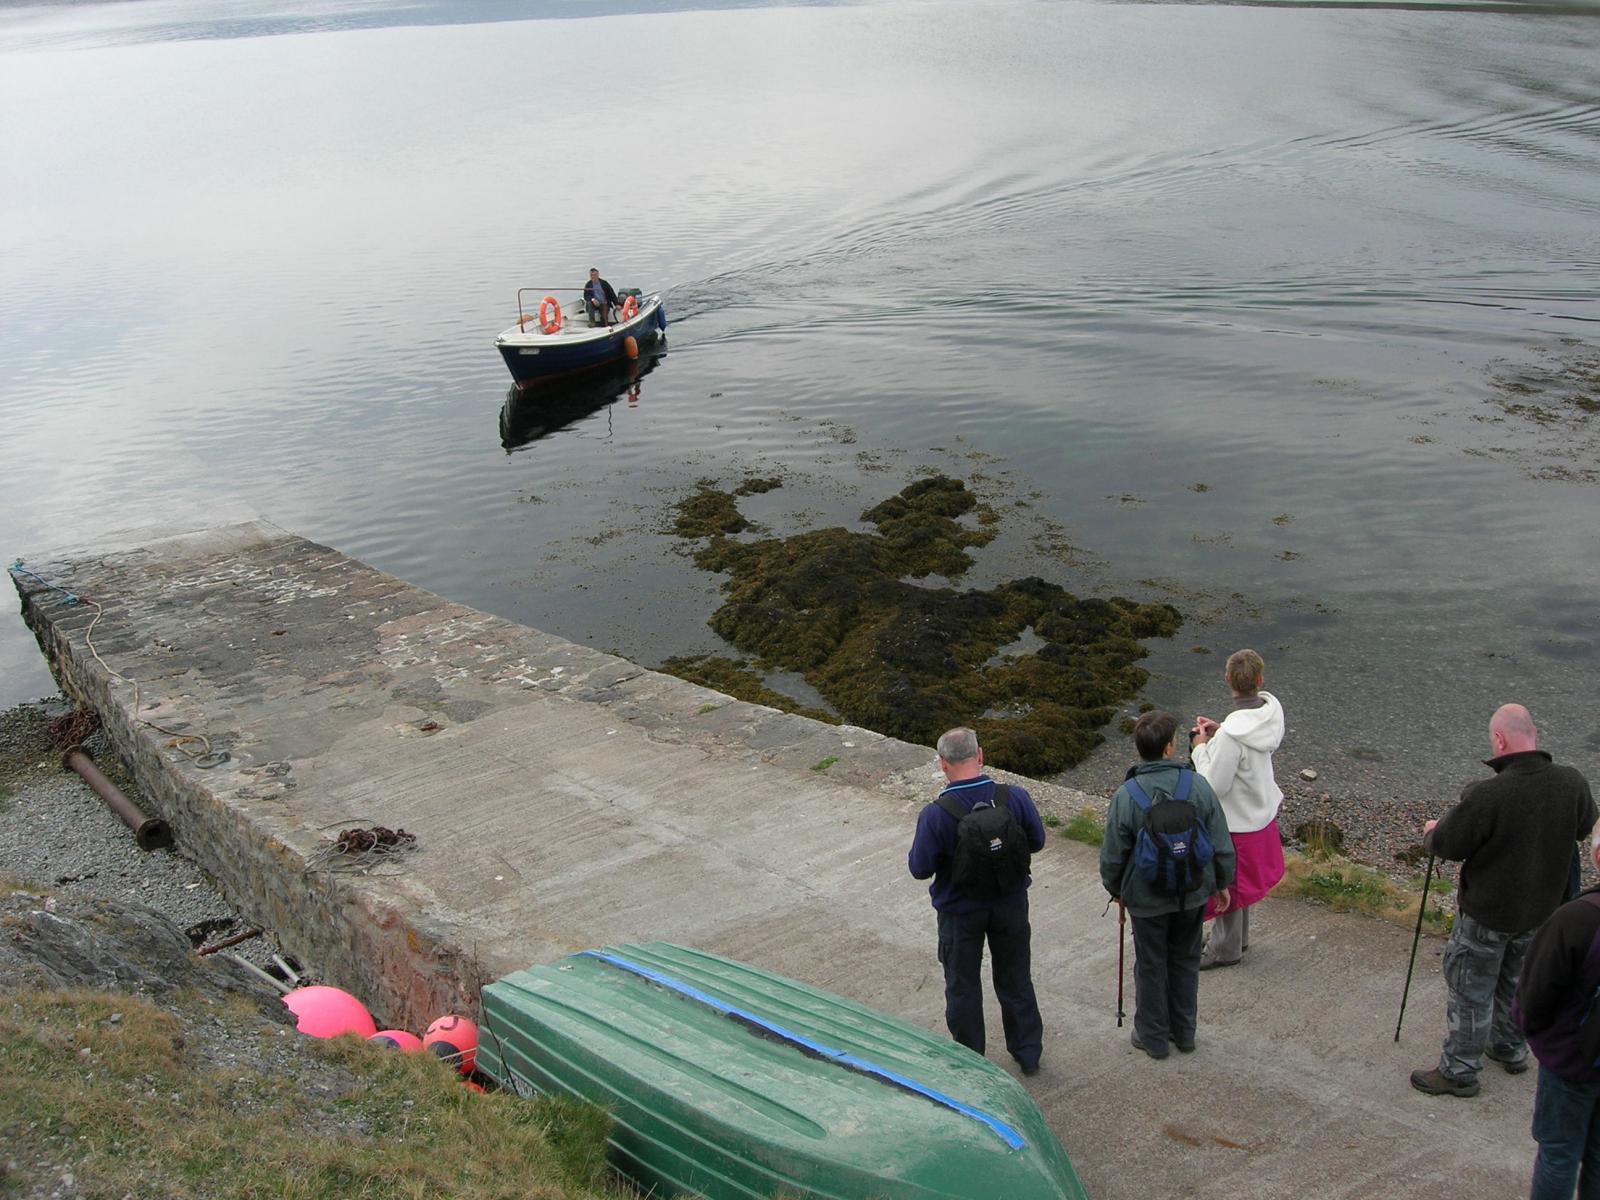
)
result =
(151, 833)
(232, 941)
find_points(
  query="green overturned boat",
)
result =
(735, 1084)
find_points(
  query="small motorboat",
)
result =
(728, 1082)
(551, 339)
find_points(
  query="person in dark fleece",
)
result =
(1513, 835)
(1555, 1008)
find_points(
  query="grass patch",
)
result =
(1085, 827)
(705, 708)
(1345, 886)
(1050, 820)
(825, 763)
(124, 1095)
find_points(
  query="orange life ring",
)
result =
(549, 314)
(630, 308)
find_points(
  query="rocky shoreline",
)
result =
(56, 834)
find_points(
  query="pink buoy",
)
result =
(397, 1039)
(326, 1012)
(454, 1039)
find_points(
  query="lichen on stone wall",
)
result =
(909, 660)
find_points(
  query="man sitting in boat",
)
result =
(600, 298)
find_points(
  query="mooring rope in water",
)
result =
(217, 757)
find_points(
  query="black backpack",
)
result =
(992, 854)
(1172, 848)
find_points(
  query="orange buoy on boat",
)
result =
(630, 346)
(630, 308)
(550, 314)
(327, 1012)
(454, 1039)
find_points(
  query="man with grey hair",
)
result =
(1513, 835)
(973, 841)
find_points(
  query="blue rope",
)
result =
(1010, 1136)
(18, 569)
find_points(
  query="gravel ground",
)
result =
(55, 832)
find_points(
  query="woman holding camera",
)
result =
(1235, 756)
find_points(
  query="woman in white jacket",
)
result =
(1235, 757)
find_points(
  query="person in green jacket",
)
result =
(1166, 927)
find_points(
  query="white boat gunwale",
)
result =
(575, 328)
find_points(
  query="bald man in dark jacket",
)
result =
(1513, 835)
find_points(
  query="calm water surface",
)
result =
(1220, 297)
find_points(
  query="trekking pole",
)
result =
(1122, 928)
(1415, 938)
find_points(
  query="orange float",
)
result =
(454, 1039)
(549, 314)
(630, 308)
(327, 1012)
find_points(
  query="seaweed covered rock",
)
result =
(911, 661)
(733, 677)
(709, 511)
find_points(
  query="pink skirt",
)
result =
(1259, 866)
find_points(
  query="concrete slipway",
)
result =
(564, 798)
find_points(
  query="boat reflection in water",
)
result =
(537, 411)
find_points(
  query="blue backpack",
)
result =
(1172, 850)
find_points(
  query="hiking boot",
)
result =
(1437, 1083)
(1183, 1047)
(1513, 1066)
(1207, 962)
(1031, 1069)
(1138, 1045)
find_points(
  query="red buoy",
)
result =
(326, 1012)
(454, 1039)
(397, 1039)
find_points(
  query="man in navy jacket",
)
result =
(966, 923)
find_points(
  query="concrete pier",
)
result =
(563, 798)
